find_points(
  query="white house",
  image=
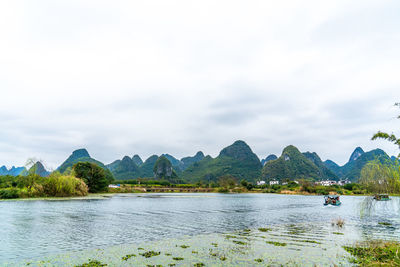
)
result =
(327, 182)
(343, 182)
(260, 182)
(273, 182)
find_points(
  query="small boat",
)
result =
(382, 197)
(332, 200)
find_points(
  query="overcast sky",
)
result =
(150, 77)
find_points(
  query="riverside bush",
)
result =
(8, 193)
(57, 185)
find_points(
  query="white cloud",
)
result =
(151, 77)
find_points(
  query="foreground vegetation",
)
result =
(375, 253)
(84, 178)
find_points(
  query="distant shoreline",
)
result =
(106, 195)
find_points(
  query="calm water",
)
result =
(35, 229)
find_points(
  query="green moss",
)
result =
(127, 257)
(278, 244)
(92, 263)
(309, 241)
(150, 253)
(374, 253)
(239, 242)
(384, 223)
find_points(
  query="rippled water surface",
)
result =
(37, 229)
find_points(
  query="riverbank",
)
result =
(113, 192)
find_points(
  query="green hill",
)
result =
(146, 169)
(124, 169)
(352, 169)
(324, 171)
(237, 160)
(138, 161)
(187, 161)
(292, 164)
(80, 155)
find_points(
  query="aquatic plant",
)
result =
(337, 233)
(195, 252)
(184, 246)
(178, 258)
(222, 258)
(239, 242)
(214, 244)
(92, 263)
(384, 223)
(338, 222)
(167, 254)
(375, 253)
(278, 244)
(230, 236)
(258, 260)
(199, 264)
(150, 253)
(127, 257)
(309, 241)
(264, 229)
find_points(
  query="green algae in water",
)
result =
(227, 253)
(199, 264)
(385, 223)
(178, 258)
(277, 244)
(214, 244)
(149, 254)
(127, 257)
(258, 260)
(309, 241)
(239, 242)
(264, 229)
(92, 263)
(184, 246)
(337, 233)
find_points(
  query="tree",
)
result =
(93, 175)
(390, 137)
(381, 178)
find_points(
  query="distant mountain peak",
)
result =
(238, 150)
(356, 154)
(80, 153)
(199, 154)
(137, 159)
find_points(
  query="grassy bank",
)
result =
(375, 253)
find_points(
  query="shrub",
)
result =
(57, 185)
(8, 193)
